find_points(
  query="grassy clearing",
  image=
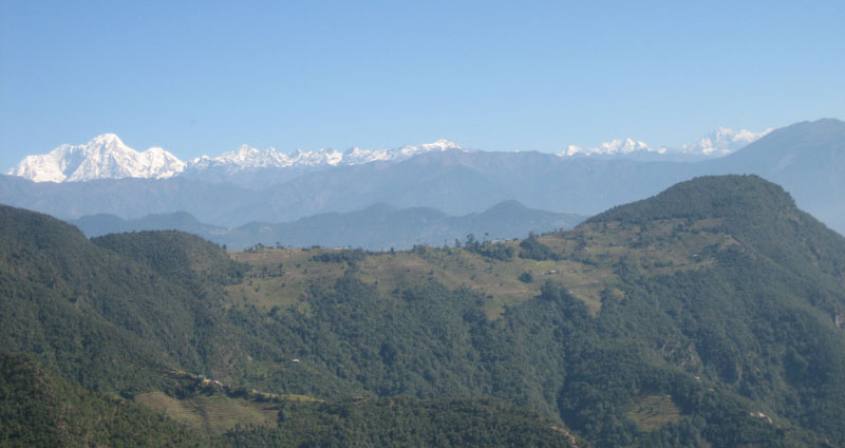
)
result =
(652, 412)
(281, 277)
(171, 407)
(213, 413)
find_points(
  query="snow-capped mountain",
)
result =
(107, 157)
(611, 148)
(720, 142)
(104, 157)
(723, 141)
(441, 145)
(247, 157)
(358, 156)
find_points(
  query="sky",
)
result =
(204, 77)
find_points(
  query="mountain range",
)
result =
(806, 158)
(108, 157)
(379, 227)
(721, 142)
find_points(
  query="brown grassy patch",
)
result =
(652, 412)
(214, 413)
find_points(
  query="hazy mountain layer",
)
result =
(378, 227)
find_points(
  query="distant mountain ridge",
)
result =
(721, 142)
(106, 156)
(378, 227)
(103, 224)
(807, 158)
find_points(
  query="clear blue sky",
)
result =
(204, 77)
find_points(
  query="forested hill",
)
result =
(739, 197)
(758, 213)
(708, 315)
(38, 408)
(98, 317)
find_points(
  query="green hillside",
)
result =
(37, 408)
(709, 315)
(105, 320)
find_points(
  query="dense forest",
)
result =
(708, 315)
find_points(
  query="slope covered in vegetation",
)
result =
(709, 315)
(37, 408)
(101, 318)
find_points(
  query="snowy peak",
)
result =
(108, 141)
(720, 142)
(103, 157)
(247, 157)
(612, 148)
(106, 156)
(244, 157)
(357, 156)
(723, 141)
(440, 145)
